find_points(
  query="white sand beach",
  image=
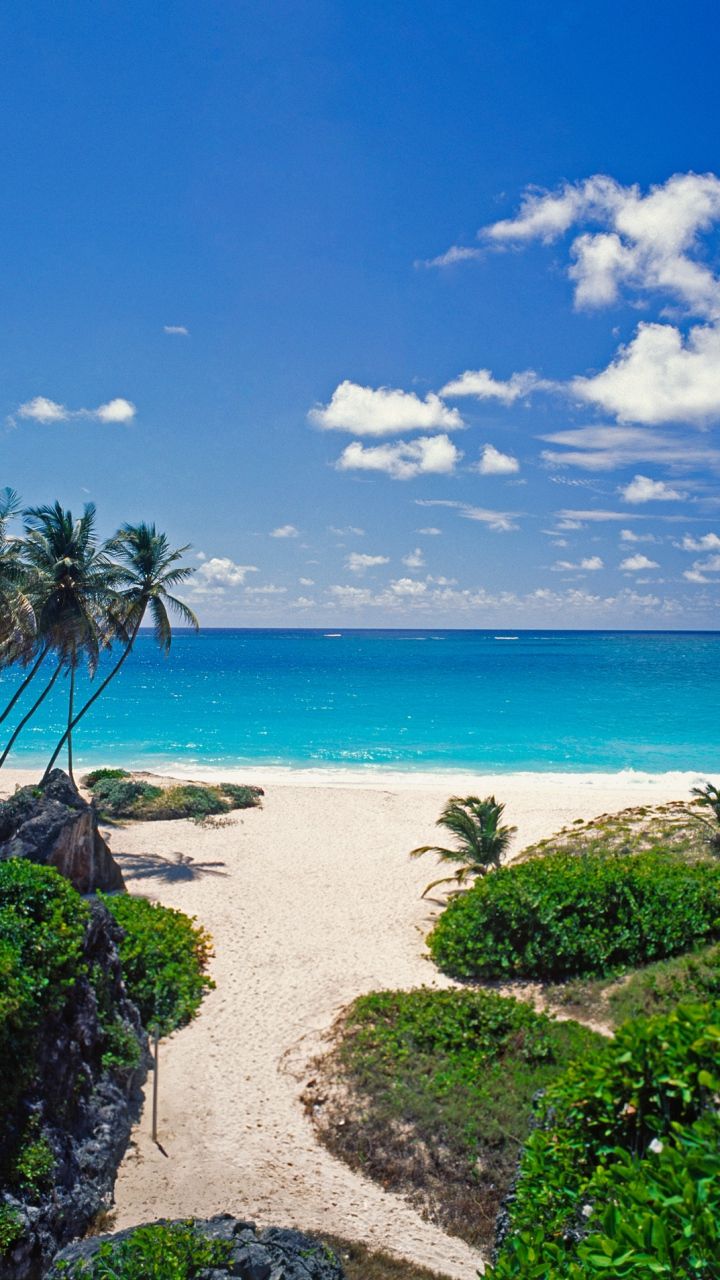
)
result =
(311, 900)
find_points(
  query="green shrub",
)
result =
(100, 775)
(563, 915)
(592, 1196)
(173, 1252)
(661, 986)
(34, 1165)
(11, 1227)
(163, 955)
(442, 1085)
(42, 930)
(117, 795)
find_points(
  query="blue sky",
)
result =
(401, 313)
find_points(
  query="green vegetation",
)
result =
(173, 1251)
(565, 914)
(672, 828)
(118, 795)
(655, 988)
(621, 1177)
(66, 596)
(11, 1227)
(708, 797)
(443, 1083)
(480, 840)
(164, 955)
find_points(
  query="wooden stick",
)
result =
(156, 1046)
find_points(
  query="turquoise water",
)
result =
(406, 700)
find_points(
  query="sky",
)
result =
(401, 314)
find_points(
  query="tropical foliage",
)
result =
(708, 797)
(118, 795)
(564, 915)
(67, 597)
(479, 838)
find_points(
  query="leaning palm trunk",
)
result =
(75, 720)
(71, 702)
(20, 691)
(30, 714)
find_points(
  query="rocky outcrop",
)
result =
(277, 1253)
(91, 1061)
(53, 825)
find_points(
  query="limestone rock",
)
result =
(53, 825)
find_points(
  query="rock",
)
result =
(84, 1110)
(277, 1252)
(53, 825)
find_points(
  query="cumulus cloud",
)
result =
(382, 411)
(427, 455)
(307, 582)
(589, 564)
(349, 529)
(629, 535)
(660, 376)
(430, 531)
(41, 409)
(706, 542)
(269, 590)
(643, 489)
(414, 559)
(180, 330)
(285, 531)
(495, 463)
(408, 587)
(220, 571)
(481, 384)
(634, 564)
(358, 562)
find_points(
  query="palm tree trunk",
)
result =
(71, 699)
(20, 691)
(30, 714)
(103, 685)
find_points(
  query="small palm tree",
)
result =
(480, 840)
(18, 625)
(709, 797)
(149, 569)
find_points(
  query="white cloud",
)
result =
(118, 410)
(382, 411)
(481, 384)
(307, 582)
(711, 565)
(495, 463)
(408, 587)
(660, 376)
(701, 568)
(590, 564)
(285, 531)
(179, 329)
(41, 409)
(428, 455)
(644, 242)
(707, 542)
(430, 531)
(220, 571)
(634, 564)
(456, 253)
(414, 559)
(358, 562)
(694, 575)
(628, 535)
(576, 519)
(269, 590)
(498, 521)
(605, 448)
(643, 489)
(349, 529)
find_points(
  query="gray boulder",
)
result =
(53, 825)
(275, 1254)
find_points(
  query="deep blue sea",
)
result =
(405, 700)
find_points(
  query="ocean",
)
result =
(403, 700)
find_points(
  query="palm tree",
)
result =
(19, 641)
(75, 583)
(480, 841)
(149, 568)
(709, 797)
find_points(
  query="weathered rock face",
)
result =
(83, 1105)
(277, 1253)
(53, 825)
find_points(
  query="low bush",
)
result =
(660, 987)
(164, 956)
(564, 915)
(442, 1085)
(172, 1251)
(118, 795)
(620, 1178)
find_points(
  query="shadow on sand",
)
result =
(173, 869)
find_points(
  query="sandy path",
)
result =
(311, 901)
